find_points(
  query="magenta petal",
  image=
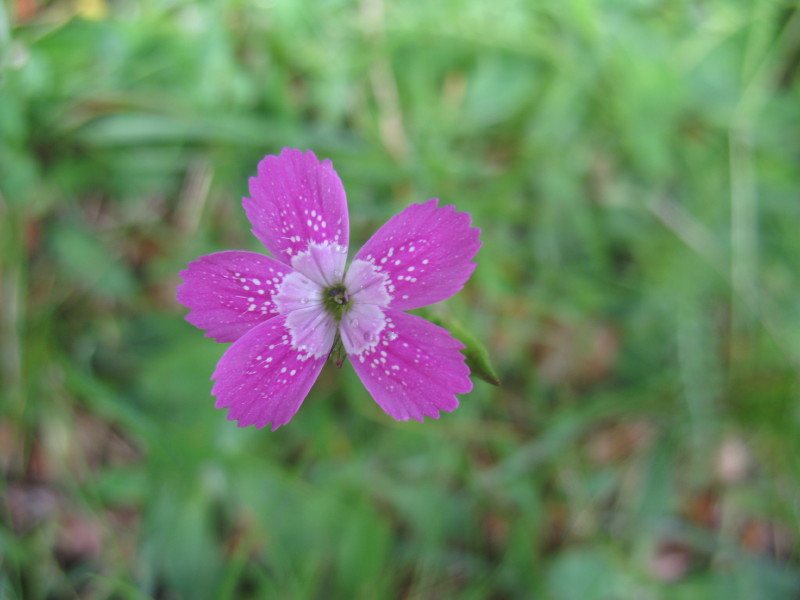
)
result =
(294, 200)
(262, 379)
(415, 370)
(230, 292)
(426, 251)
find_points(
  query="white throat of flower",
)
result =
(321, 301)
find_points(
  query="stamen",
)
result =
(339, 295)
(336, 300)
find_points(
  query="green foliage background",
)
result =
(634, 168)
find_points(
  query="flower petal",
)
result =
(426, 251)
(366, 284)
(297, 292)
(261, 379)
(312, 330)
(360, 328)
(415, 370)
(230, 292)
(324, 263)
(294, 200)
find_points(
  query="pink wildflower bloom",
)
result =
(284, 314)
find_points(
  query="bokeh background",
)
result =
(634, 168)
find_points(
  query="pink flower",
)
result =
(285, 314)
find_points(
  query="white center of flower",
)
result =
(311, 323)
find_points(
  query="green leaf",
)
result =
(477, 356)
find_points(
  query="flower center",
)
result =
(336, 300)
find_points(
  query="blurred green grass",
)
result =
(634, 168)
